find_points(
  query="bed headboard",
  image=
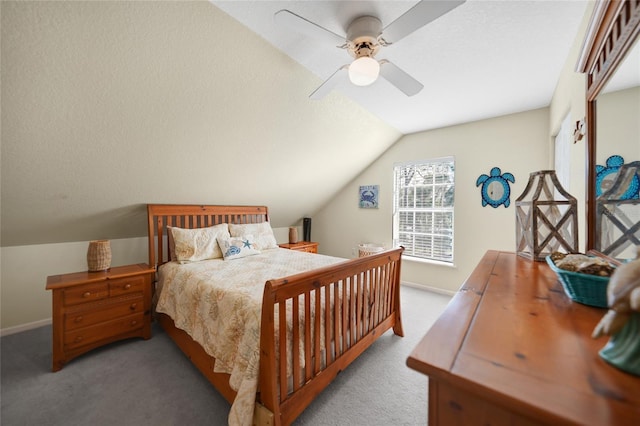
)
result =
(159, 216)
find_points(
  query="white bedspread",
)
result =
(218, 303)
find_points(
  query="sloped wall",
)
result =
(107, 106)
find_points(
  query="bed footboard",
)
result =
(314, 324)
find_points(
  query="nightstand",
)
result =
(307, 246)
(91, 309)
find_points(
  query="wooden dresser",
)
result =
(91, 309)
(512, 349)
(307, 246)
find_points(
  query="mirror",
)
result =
(609, 58)
(618, 143)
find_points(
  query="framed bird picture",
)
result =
(368, 196)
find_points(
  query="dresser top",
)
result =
(84, 277)
(511, 334)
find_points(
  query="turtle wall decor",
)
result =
(606, 176)
(495, 188)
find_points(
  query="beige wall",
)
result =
(618, 129)
(516, 143)
(569, 98)
(107, 106)
(24, 271)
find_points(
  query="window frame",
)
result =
(436, 251)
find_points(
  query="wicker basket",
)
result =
(99, 255)
(367, 249)
(583, 288)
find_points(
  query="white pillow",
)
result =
(237, 247)
(262, 232)
(192, 245)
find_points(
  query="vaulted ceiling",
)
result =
(483, 59)
(107, 106)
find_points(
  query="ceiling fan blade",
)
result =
(403, 81)
(417, 17)
(303, 26)
(328, 84)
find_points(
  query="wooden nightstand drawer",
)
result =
(307, 246)
(91, 309)
(309, 249)
(84, 318)
(126, 285)
(85, 293)
(95, 333)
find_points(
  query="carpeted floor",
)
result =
(137, 382)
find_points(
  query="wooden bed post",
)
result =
(267, 379)
(397, 327)
(152, 245)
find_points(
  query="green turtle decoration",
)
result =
(495, 189)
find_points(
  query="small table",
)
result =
(91, 309)
(512, 349)
(308, 246)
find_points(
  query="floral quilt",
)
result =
(218, 303)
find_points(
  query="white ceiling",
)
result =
(483, 59)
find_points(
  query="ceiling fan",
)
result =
(364, 39)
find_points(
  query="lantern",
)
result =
(546, 218)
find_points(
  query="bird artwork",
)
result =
(622, 320)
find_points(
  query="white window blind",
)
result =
(563, 142)
(423, 208)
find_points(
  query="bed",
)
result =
(295, 332)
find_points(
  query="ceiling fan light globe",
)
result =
(364, 71)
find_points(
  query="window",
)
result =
(423, 208)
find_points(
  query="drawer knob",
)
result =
(87, 294)
(133, 306)
(127, 286)
(78, 339)
(134, 322)
(78, 318)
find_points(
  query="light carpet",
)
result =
(137, 382)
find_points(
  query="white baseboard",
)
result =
(429, 288)
(24, 327)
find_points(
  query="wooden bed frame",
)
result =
(355, 322)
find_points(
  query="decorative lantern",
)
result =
(546, 218)
(618, 214)
(99, 255)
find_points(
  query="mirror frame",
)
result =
(614, 27)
